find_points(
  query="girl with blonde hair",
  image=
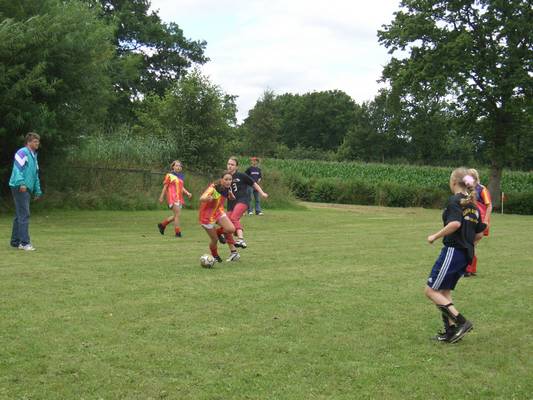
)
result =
(173, 189)
(484, 205)
(462, 227)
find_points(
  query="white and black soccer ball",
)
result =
(207, 261)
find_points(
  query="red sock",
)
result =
(229, 238)
(214, 250)
(177, 229)
(220, 231)
(472, 267)
(165, 223)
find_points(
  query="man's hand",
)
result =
(22, 188)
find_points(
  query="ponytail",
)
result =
(461, 177)
(470, 198)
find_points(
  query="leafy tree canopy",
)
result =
(53, 72)
(478, 54)
(150, 54)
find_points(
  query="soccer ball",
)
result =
(207, 261)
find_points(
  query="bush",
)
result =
(325, 191)
(356, 192)
(519, 203)
(98, 188)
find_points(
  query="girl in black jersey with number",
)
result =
(238, 206)
(462, 227)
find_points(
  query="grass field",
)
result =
(326, 303)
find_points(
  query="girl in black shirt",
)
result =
(462, 228)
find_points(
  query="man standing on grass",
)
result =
(24, 183)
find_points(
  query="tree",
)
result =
(317, 120)
(150, 54)
(476, 53)
(196, 114)
(53, 72)
(262, 126)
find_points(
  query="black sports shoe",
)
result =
(217, 259)
(222, 239)
(444, 336)
(178, 234)
(161, 229)
(461, 330)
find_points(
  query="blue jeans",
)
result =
(257, 200)
(20, 233)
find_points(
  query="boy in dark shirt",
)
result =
(255, 173)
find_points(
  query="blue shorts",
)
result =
(448, 268)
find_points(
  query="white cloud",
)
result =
(292, 46)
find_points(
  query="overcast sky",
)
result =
(287, 46)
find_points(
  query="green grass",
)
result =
(325, 303)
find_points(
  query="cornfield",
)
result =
(409, 175)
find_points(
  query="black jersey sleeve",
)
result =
(454, 212)
(247, 179)
(480, 227)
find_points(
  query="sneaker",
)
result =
(444, 336)
(234, 257)
(250, 213)
(178, 234)
(240, 243)
(217, 259)
(222, 239)
(26, 247)
(161, 229)
(467, 274)
(461, 331)
(260, 213)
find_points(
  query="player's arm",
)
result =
(259, 190)
(488, 203)
(163, 192)
(207, 195)
(450, 228)
(187, 193)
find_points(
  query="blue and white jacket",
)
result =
(26, 171)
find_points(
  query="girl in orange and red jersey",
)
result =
(484, 205)
(212, 213)
(174, 190)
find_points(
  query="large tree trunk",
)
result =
(495, 181)
(501, 129)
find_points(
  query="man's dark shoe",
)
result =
(217, 259)
(222, 239)
(461, 331)
(161, 229)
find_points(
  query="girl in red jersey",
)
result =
(174, 190)
(484, 205)
(212, 213)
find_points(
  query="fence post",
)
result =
(503, 196)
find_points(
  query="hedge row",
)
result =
(353, 191)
